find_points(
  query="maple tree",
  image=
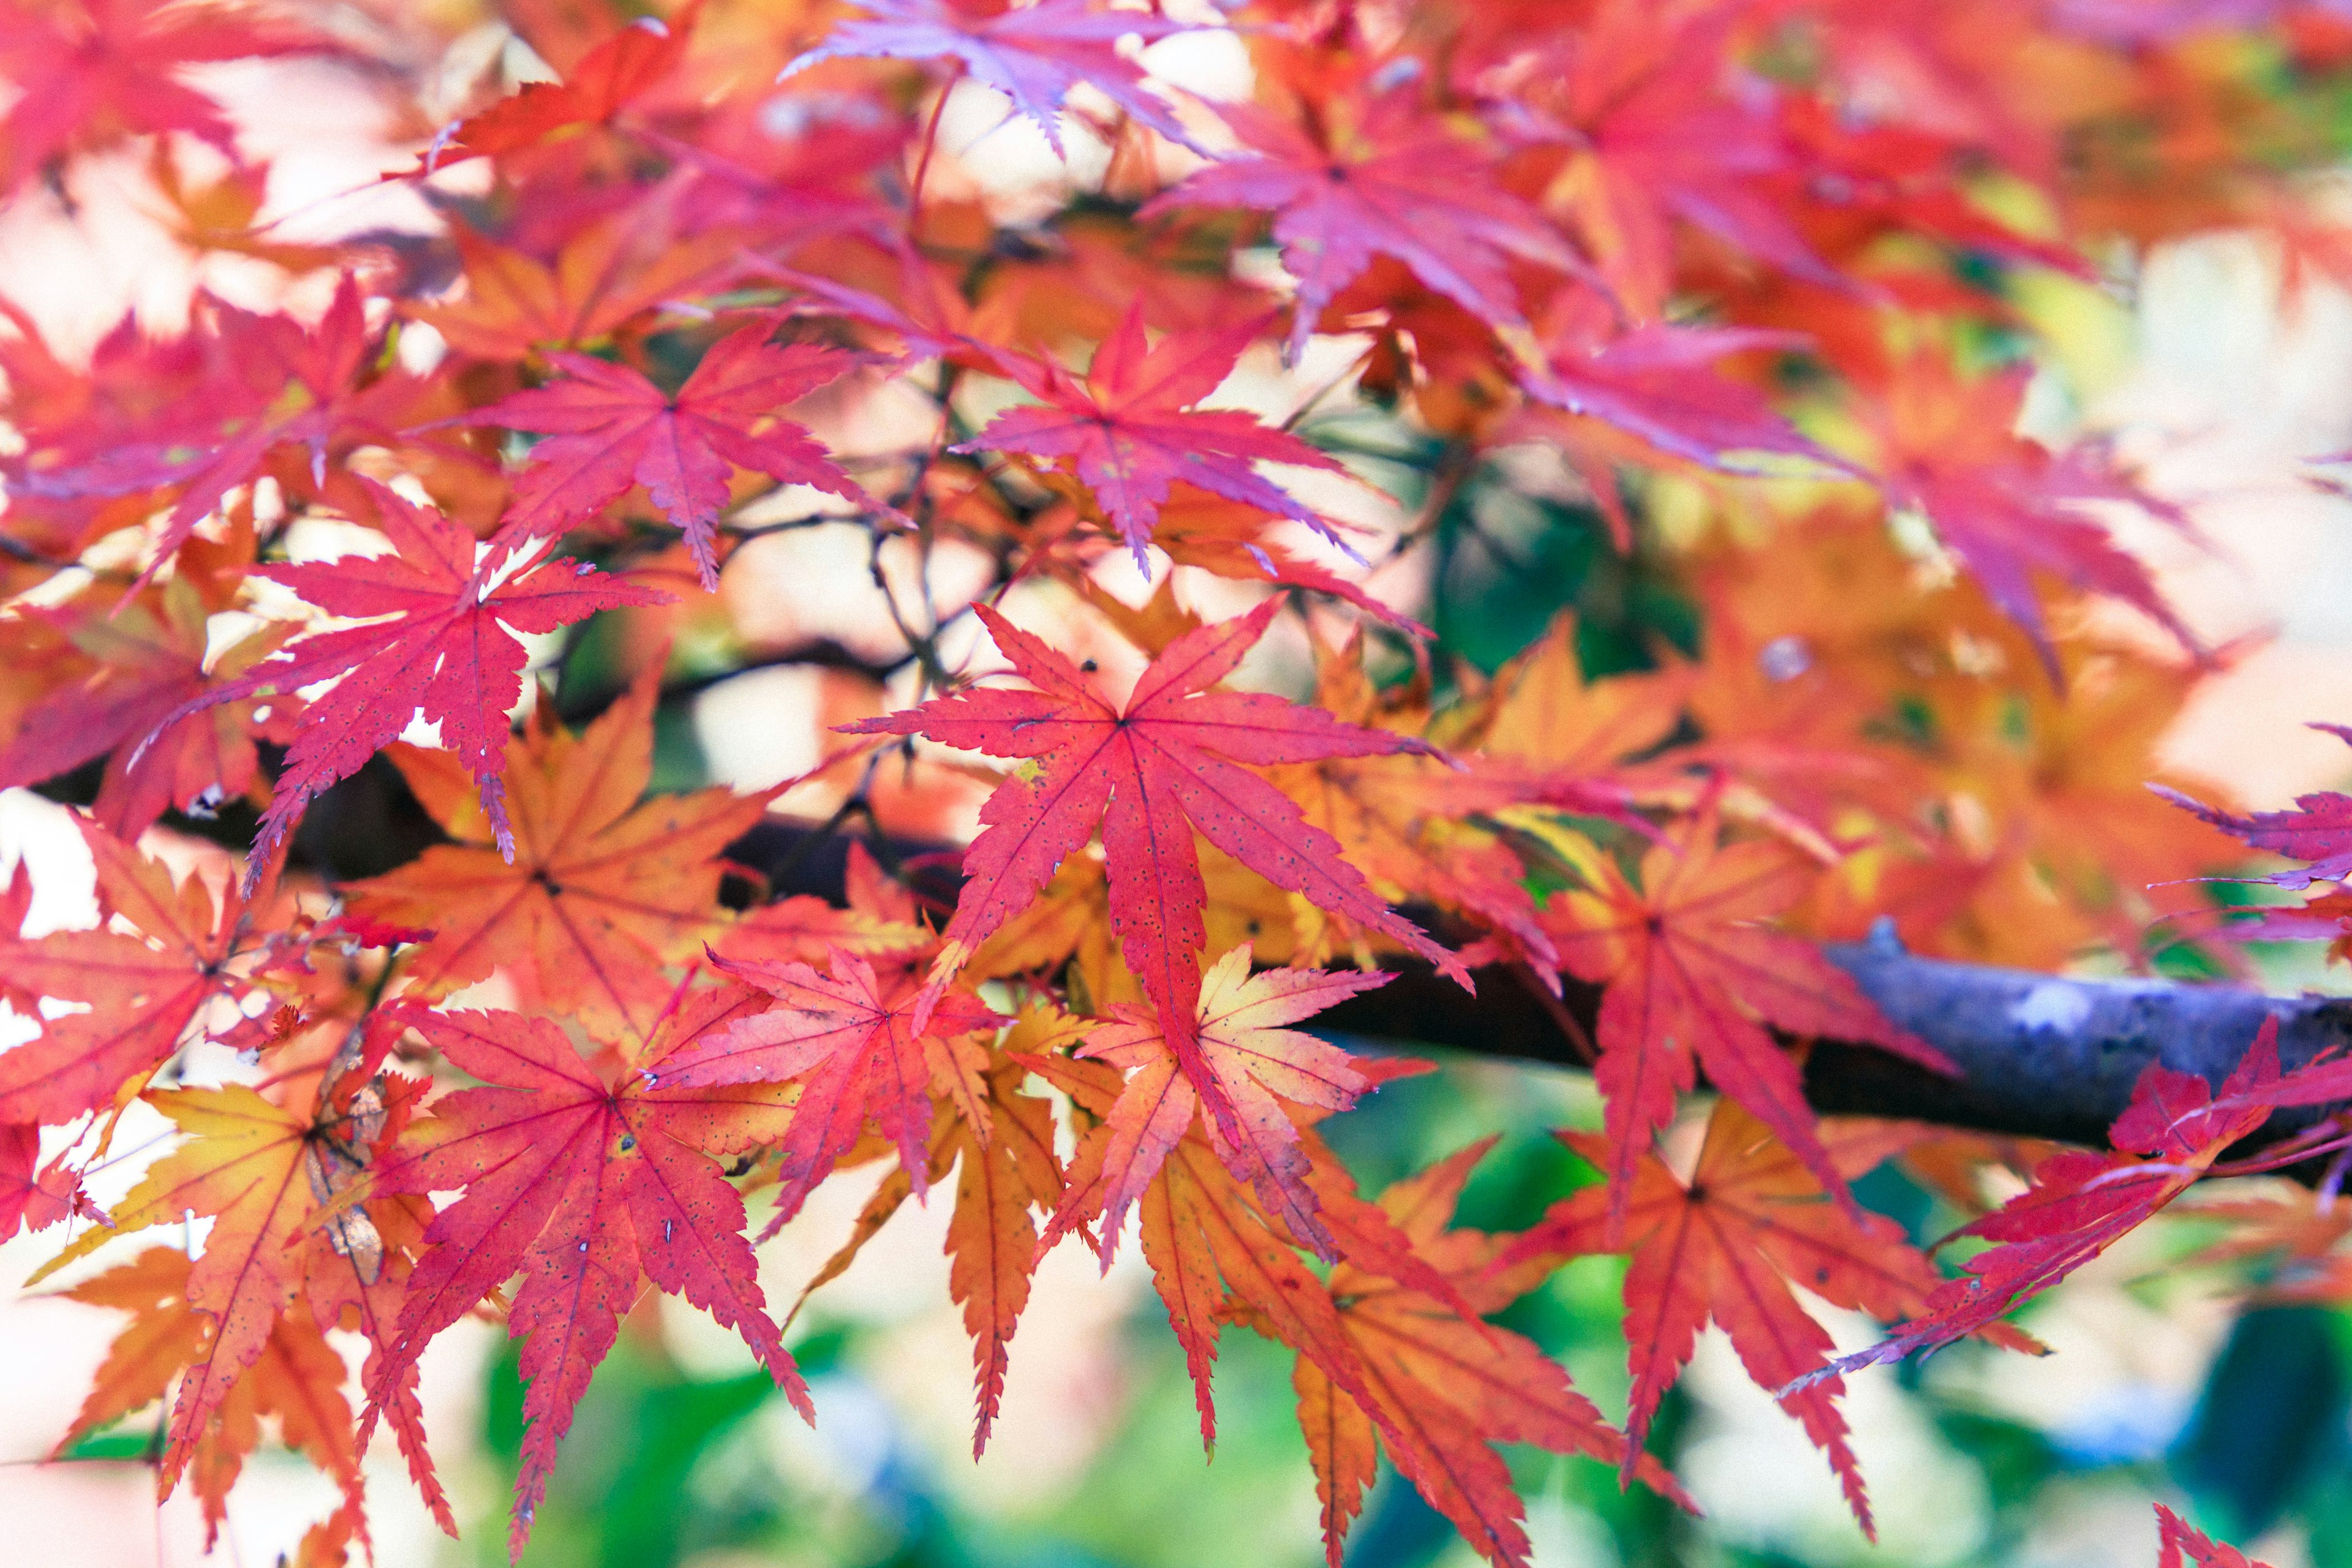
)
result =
(1315, 528)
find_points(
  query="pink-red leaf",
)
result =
(608, 428)
(1151, 772)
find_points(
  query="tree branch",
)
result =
(2039, 1056)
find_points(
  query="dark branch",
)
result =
(2039, 1056)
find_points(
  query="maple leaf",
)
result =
(1213, 1254)
(96, 434)
(1130, 432)
(1444, 1385)
(1416, 1366)
(609, 428)
(878, 923)
(1663, 129)
(1237, 542)
(854, 1041)
(1254, 1063)
(1151, 772)
(33, 1197)
(1659, 384)
(1399, 816)
(2318, 831)
(2177, 1538)
(244, 396)
(149, 987)
(1693, 977)
(2081, 1202)
(601, 890)
(992, 1242)
(224, 216)
(1202, 1239)
(295, 1377)
(1725, 1246)
(263, 1169)
(2007, 506)
(439, 639)
(316, 389)
(244, 1164)
(516, 304)
(580, 1185)
(93, 73)
(1031, 54)
(1402, 186)
(1566, 736)
(20, 1152)
(602, 83)
(149, 669)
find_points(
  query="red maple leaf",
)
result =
(1151, 770)
(1660, 384)
(240, 394)
(1403, 186)
(1725, 1246)
(140, 705)
(609, 428)
(2318, 831)
(313, 388)
(2175, 1536)
(96, 434)
(1132, 433)
(2007, 506)
(1694, 975)
(852, 1040)
(34, 1197)
(602, 83)
(876, 922)
(2083, 1202)
(439, 639)
(579, 1185)
(1661, 131)
(1031, 54)
(149, 986)
(95, 72)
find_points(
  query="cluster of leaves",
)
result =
(1742, 295)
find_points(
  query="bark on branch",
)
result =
(2039, 1055)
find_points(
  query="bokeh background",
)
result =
(2165, 1381)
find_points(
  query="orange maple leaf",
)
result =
(260, 1170)
(516, 304)
(1260, 1067)
(295, 1377)
(1445, 1387)
(602, 890)
(1693, 978)
(991, 1241)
